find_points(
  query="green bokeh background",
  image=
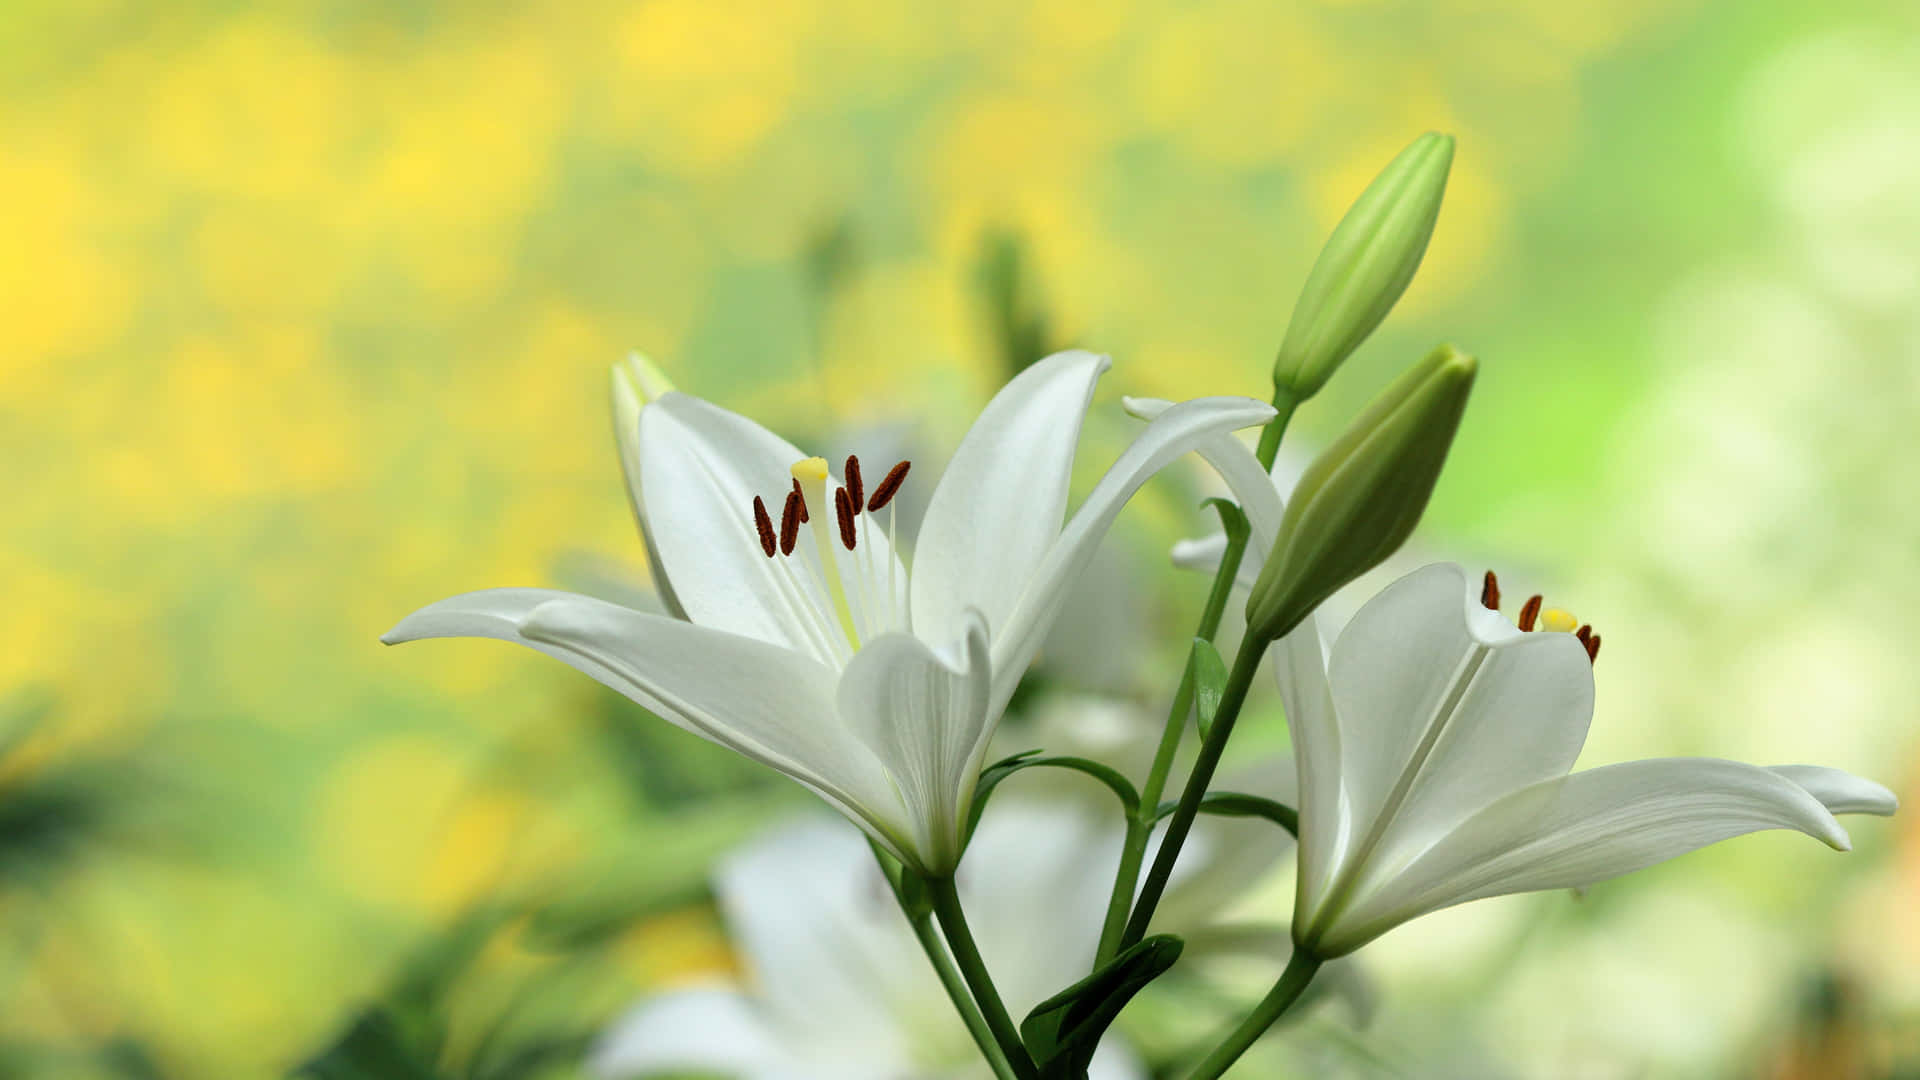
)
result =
(305, 317)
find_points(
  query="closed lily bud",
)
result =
(1365, 266)
(1360, 499)
(636, 382)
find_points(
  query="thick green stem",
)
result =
(1232, 696)
(1293, 981)
(946, 905)
(1140, 828)
(929, 938)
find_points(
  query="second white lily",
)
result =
(1434, 745)
(812, 649)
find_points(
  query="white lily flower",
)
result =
(839, 988)
(1434, 748)
(819, 653)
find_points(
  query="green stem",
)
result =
(1245, 663)
(1293, 981)
(923, 929)
(946, 905)
(1140, 829)
(929, 938)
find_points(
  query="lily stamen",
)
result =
(855, 489)
(802, 496)
(763, 525)
(1553, 620)
(843, 509)
(1530, 611)
(790, 519)
(889, 486)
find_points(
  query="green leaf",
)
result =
(992, 775)
(1233, 520)
(1240, 804)
(1209, 675)
(1062, 1031)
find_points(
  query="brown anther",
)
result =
(802, 496)
(1530, 611)
(1584, 634)
(855, 490)
(1490, 592)
(1593, 648)
(790, 519)
(843, 506)
(763, 524)
(889, 486)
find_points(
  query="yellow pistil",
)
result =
(1559, 620)
(813, 476)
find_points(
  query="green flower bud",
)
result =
(1365, 266)
(636, 381)
(1360, 499)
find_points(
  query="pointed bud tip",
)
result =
(1450, 361)
(639, 379)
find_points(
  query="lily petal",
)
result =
(925, 717)
(1300, 667)
(1840, 791)
(690, 1030)
(763, 701)
(497, 614)
(1436, 721)
(1251, 485)
(826, 950)
(1580, 829)
(1173, 433)
(628, 380)
(1000, 502)
(703, 467)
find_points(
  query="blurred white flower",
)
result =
(820, 654)
(837, 986)
(1434, 747)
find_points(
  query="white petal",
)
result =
(763, 701)
(835, 965)
(704, 465)
(999, 504)
(1252, 487)
(1204, 553)
(925, 717)
(497, 614)
(1436, 723)
(1113, 1059)
(1035, 883)
(1299, 664)
(628, 378)
(1170, 435)
(687, 1031)
(1580, 829)
(1841, 792)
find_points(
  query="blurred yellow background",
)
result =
(305, 316)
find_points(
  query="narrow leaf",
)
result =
(1209, 675)
(991, 777)
(1062, 1031)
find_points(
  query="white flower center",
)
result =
(842, 575)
